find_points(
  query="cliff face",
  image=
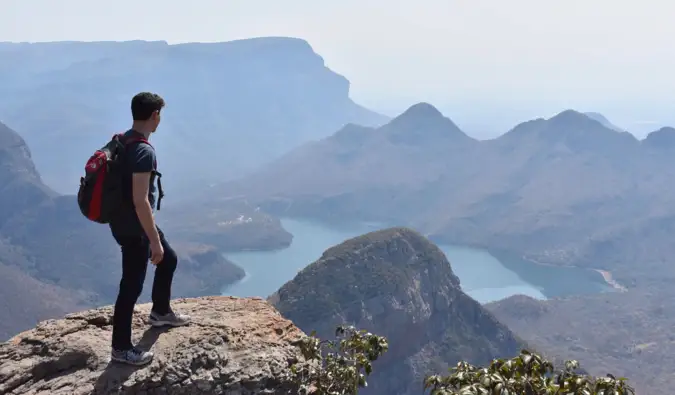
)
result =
(397, 284)
(248, 101)
(234, 346)
(20, 183)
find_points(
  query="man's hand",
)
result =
(157, 253)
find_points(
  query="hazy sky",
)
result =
(469, 57)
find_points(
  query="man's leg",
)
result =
(162, 314)
(135, 253)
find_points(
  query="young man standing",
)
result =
(135, 231)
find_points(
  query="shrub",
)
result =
(342, 366)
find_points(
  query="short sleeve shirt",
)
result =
(139, 158)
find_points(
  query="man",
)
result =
(135, 231)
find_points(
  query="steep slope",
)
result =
(24, 301)
(397, 284)
(20, 183)
(241, 102)
(235, 346)
(604, 121)
(620, 333)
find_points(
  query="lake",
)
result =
(482, 276)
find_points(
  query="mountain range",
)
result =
(558, 191)
(566, 191)
(569, 190)
(230, 106)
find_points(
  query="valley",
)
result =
(482, 276)
(556, 234)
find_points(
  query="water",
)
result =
(482, 276)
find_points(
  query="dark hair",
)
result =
(144, 104)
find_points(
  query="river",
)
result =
(482, 276)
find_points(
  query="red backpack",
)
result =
(100, 195)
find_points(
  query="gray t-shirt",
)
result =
(139, 158)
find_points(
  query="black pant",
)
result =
(135, 256)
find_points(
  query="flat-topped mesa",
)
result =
(235, 346)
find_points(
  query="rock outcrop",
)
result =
(234, 346)
(397, 284)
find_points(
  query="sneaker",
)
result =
(170, 319)
(132, 356)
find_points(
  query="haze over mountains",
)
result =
(570, 190)
(240, 102)
(565, 191)
(553, 189)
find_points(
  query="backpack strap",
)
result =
(126, 141)
(159, 187)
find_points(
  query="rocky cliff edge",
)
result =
(235, 346)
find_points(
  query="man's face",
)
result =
(154, 120)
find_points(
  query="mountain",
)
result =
(604, 121)
(20, 184)
(361, 172)
(662, 139)
(395, 283)
(24, 300)
(230, 106)
(559, 191)
(548, 189)
(239, 347)
(618, 332)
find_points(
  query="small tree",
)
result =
(337, 367)
(341, 367)
(526, 374)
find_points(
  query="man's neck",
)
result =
(142, 129)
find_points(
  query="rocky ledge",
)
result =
(235, 346)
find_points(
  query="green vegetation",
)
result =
(341, 367)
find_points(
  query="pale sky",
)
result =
(472, 58)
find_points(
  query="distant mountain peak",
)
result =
(570, 116)
(576, 130)
(421, 123)
(666, 129)
(663, 138)
(420, 110)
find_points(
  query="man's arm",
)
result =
(143, 158)
(140, 188)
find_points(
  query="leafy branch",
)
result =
(526, 374)
(337, 367)
(341, 367)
